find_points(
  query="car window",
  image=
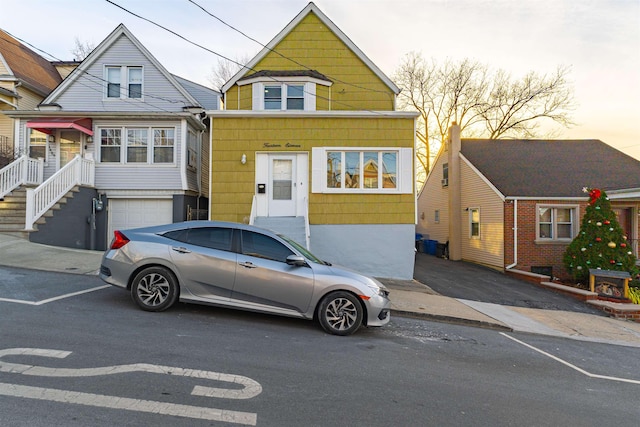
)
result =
(208, 237)
(261, 246)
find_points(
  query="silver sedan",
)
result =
(244, 267)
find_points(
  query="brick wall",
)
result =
(530, 253)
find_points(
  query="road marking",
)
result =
(574, 367)
(250, 388)
(45, 301)
(116, 402)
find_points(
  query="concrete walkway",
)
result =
(410, 298)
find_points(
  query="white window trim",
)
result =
(309, 94)
(471, 236)
(124, 83)
(123, 146)
(404, 172)
(575, 209)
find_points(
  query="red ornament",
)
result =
(606, 221)
(594, 195)
(623, 245)
(598, 239)
(613, 261)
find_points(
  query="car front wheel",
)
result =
(154, 289)
(340, 313)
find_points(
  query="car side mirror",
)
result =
(296, 260)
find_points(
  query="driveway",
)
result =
(464, 280)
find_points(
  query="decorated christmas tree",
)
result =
(601, 242)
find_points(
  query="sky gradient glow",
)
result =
(599, 39)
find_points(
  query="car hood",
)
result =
(340, 271)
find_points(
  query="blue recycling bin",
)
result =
(431, 246)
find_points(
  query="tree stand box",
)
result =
(611, 284)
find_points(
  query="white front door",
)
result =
(282, 185)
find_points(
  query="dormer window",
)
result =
(124, 82)
(284, 96)
(284, 90)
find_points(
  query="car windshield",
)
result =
(308, 255)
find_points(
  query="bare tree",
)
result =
(81, 49)
(224, 70)
(484, 103)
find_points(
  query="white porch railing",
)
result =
(307, 231)
(79, 171)
(23, 171)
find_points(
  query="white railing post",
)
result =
(23, 163)
(30, 207)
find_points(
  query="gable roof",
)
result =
(33, 70)
(100, 49)
(551, 168)
(310, 8)
(207, 98)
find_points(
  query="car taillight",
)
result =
(119, 240)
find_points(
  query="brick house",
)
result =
(517, 204)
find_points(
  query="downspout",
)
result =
(515, 236)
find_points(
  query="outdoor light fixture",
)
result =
(243, 159)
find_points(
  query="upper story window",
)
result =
(371, 170)
(283, 96)
(556, 223)
(124, 82)
(445, 175)
(133, 145)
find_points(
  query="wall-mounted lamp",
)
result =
(89, 139)
(243, 159)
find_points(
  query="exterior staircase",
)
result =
(291, 226)
(13, 212)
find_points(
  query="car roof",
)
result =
(158, 229)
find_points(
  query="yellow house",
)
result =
(310, 145)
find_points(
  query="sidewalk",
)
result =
(409, 298)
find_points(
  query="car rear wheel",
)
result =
(340, 313)
(154, 289)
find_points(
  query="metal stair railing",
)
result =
(22, 171)
(78, 171)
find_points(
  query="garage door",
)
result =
(132, 213)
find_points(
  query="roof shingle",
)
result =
(551, 168)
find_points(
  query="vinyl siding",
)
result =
(29, 100)
(489, 248)
(88, 92)
(233, 184)
(434, 197)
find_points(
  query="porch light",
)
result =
(243, 159)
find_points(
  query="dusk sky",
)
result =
(598, 39)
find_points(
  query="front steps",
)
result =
(13, 212)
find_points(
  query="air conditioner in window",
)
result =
(445, 182)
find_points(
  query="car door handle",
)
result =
(181, 249)
(248, 264)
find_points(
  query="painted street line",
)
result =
(45, 301)
(116, 402)
(250, 388)
(574, 367)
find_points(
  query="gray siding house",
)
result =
(136, 136)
